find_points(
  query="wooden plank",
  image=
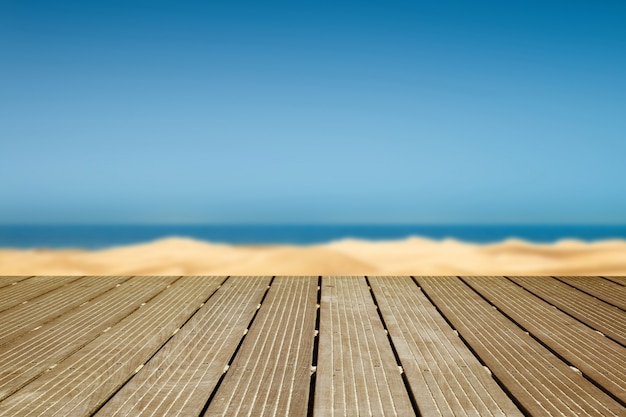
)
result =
(80, 384)
(539, 381)
(271, 374)
(618, 280)
(179, 379)
(605, 290)
(26, 290)
(595, 313)
(25, 317)
(598, 357)
(446, 378)
(28, 356)
(6, 280)
(357, 374)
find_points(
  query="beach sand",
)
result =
(413, 256)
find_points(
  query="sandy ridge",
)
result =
(412, 256)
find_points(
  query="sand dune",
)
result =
(413, 256)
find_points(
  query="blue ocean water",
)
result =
(103, 236)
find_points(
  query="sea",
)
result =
(105, 236)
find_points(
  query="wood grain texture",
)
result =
(179, 379)
(541, 382)
(161, 346)
(599, 358)
(357, 374)
(27, 357)
(603, 289)
(81, 383)
(446, 378)
(29, 289)
(271, 374)
(25, 317)
(597, 314)
(616, 279)
(6, 280)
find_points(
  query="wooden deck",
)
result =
(312, 346)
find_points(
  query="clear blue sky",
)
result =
(340, 111)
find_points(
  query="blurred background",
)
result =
(282, 122)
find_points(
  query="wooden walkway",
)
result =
(312, 346)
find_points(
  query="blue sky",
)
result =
(312, 112)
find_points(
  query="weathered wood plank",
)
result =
(598, 357)
(6, 280)
(179, 379)
(540, 382)
(271, 374)
(600, 288)
(617, 279)
(25, 317)
(357, 374)
(595, 313)
(26, 290)
(84, 381)
(446, 378)
(28, 356)
(82, 354)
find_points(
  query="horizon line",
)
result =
(312, 224)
